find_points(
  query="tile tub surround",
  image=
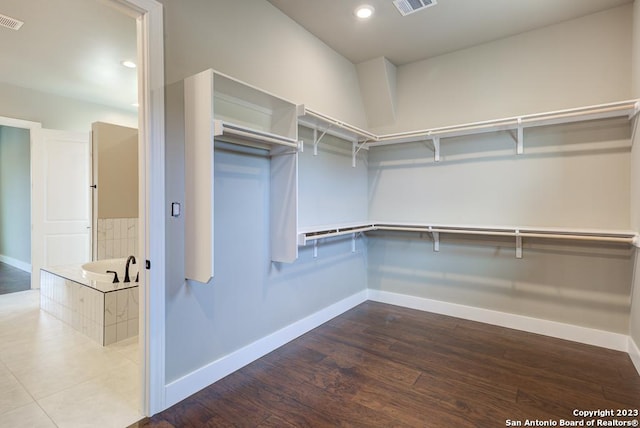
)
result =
(105, 312)
(117, 237)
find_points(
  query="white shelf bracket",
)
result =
(355, 150)
(436, 146)
(636, 110)
(301, 146)
(315, 142)
(518, 245)
(436, 239)
(520, 142)
(353, 242)
(316, 139)
(633, 117)
(315, 249)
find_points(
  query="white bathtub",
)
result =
(86, 298)
(97, 271)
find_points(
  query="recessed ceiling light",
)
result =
(128, 64)
(364, 12)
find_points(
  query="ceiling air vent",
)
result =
(405, 7)
(9, 22)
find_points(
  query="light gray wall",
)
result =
(250, 297)
(572, 176)
(330, 190)
(576, 284)
(378, 86)
(576, 63)
(55, 112)
(15, 194)
(253, 41)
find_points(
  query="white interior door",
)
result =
(61, 200)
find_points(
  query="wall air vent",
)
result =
(9, 22)
(406, 7)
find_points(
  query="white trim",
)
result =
(634, 354)
(149, 17)
(18, 264)
(195, 381)
(19, 123)
(33, 127)
(151, 57)
(590, 336)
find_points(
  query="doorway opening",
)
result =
(148, 17)
(15, 206)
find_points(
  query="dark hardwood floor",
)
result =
(13, 279)
(384, 366)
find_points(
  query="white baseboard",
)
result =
(590, 336)
(634, 353)
(18, 264)
(195, 381)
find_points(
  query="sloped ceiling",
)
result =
(445, 27)
(74, 47)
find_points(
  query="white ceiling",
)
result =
(445, 27)
(74, 47)
(71, 48)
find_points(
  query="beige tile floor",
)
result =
(53, 376)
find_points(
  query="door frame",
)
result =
(150, 29)
(150, 40)
(33, 128)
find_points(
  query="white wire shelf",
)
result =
(622, 237)
(363, 139)
(242, 135)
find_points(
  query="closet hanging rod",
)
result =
(330, 120)
(312, 236)
(602, 238)
(326, 129)
(625, 107)
(448, 132)
(524, 234)
(225, 128)
(438, 230)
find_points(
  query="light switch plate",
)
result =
(175, 209)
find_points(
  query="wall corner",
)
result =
(635, 51)
(377, 78)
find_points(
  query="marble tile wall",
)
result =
(120, 315)
(74, 304)
(106, 318)
(117, 237)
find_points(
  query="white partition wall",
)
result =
(220, 108)
(199, 158)
(283, 204)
